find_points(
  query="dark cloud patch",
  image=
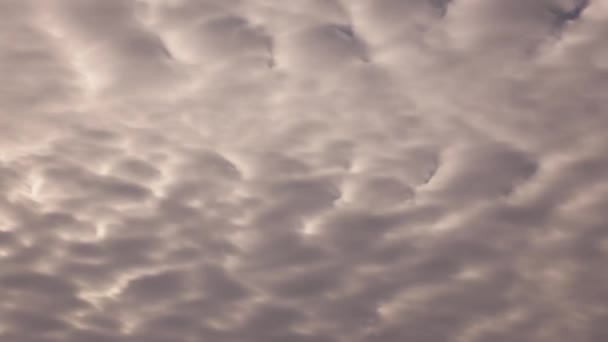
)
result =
(135, 169)
(322, 47)
(504, 169)
(155, 286)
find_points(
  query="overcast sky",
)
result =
(303, 170)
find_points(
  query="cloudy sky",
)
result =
(303, 170)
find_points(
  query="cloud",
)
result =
(302, 171)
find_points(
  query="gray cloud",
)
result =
(306, 171)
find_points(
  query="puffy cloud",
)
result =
(320, 170)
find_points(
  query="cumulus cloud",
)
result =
(319, 170)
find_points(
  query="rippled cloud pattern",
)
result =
(303, 171)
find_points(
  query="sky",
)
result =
(303, 170)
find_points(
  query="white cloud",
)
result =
(318, 170)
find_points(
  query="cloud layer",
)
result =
(303, 171)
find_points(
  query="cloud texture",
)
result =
(303, 171)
